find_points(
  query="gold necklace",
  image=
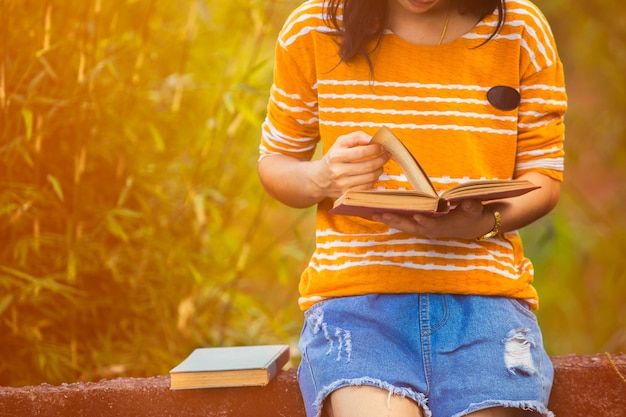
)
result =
(445, 27)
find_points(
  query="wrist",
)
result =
(497, 224)
(317, 185)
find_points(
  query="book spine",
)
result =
(443, 206)
(277, 364)
(272, 370)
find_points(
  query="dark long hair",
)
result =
(363, 21)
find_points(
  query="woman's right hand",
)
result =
(351, 163)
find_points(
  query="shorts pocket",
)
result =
(522, 307)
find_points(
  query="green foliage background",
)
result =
(132, 224)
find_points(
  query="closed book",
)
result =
(236, 366)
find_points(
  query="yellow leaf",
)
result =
(56, 186)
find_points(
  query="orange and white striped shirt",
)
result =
(435, 99)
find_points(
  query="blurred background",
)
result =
(133, 227)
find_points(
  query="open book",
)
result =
(237, 366)
(423, 198)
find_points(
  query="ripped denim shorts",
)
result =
(451, 354)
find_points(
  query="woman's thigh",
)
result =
(368, 401)
(498, 412)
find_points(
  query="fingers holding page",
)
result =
(351, 163)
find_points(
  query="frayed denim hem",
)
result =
(419, 398)
(535, 406)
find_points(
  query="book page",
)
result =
(489, 190)
(411, 168)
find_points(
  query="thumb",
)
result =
(472, 207)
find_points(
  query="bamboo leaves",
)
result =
(127, 150)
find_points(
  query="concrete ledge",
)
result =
(589, 385)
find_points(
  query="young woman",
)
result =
(418, 315)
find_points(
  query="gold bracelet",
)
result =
(496, 227)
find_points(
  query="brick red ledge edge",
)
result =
(585, 385)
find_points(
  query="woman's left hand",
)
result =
(468, 220)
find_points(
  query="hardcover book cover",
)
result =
(236, 366)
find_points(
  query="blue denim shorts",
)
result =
(451, 354)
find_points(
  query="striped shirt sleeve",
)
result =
(292, 123)
(543, 97)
